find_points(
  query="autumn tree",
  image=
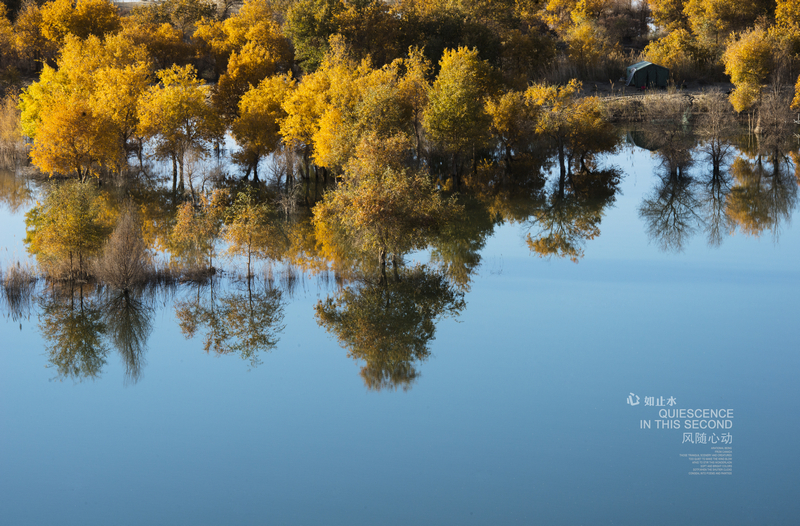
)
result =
(81, 19)
(678, 51)
(67, 229)
(361, 100)
(87, 106)
(381, 209)
(455, 117)
(247, 226)
(513, 121)
(714, 20)
(164, 43)
(248, 48)
(748, 60)
(669, 14)
(575, 125)
(31, 45)
(74, 140)
(182, 15)
(194, 236)
(177, 115)
(257, 128)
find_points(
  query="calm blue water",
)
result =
(519, 415)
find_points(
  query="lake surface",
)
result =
(527, 404)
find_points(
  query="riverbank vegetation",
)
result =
(336, 137)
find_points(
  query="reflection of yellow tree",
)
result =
(74, 330)
(566, 220)
(761, 198)
(15, 190)
(245, 323)
(457, 247)
(390, 325)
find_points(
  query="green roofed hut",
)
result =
(646, 75)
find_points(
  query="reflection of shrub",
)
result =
(19, 282)
(124, 258)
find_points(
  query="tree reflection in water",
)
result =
(764, 194)
(570, 215)
(71, 321)
(389, 323)
(129, 323)
(245, 322)
(670, 212)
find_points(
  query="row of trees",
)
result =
(383, 210)
(757, 43)
(106, 91)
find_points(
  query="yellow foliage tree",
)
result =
(67, 229)
(455, 116)
(86, 17)
(193, 239)
(248, 47)
(72, 139)
(31, 44)
(748, 60)
(176, 114)
(257, 128)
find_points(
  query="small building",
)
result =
(646, 75)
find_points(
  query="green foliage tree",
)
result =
(248, 226)
(193, 239)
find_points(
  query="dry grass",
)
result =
(653, 106)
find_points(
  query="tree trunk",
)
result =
(174, 172)
(382, 260)
(180, 181)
